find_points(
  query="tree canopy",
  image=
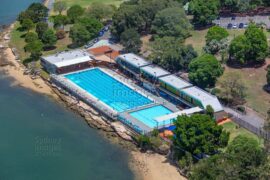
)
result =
(204, 70)
(243, 159)
(130, 39)
(41, 27)
(199, 135)
(171, 22)
(30, 37)
(251, 47)
(35, 49)
(204, 11)
(49, 38)
(36, 12)
(216, 33)
(101, 11)
(74, 12)
(79, 35)
(92, 25)
(60, 6)
(27, 24)
(172, 54)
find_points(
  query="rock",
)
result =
(163, 149)
(121, 131)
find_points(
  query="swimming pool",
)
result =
(147, 115)
(107, 89)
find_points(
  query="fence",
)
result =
(259, 131)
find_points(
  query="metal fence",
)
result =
(259, 131)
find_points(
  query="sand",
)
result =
(153, 166)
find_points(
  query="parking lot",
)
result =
(241, 22)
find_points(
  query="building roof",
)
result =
(204, 97)
(155, 71)
(175, 82)
(68, 58)
(134, 60)
(100, 50)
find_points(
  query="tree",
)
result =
(216, 33)
(215, 46)
(41, 27)
(60, 21)
(92, 25)
(171, 22)
(30, 37)
(258, 44)
(238, 49)
(35, 49)
(199, 135)
(27, 24)
(49, 38)
(130, 39)
(240, 5)
(74, 12)
(60, 6)
(101, 11)
(79, 35)
(204, 11)
(37, 12)
(171, 53)
(209, 111)
(232, 88)
(204, 70)
(243, 159)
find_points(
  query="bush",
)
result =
(30, 37)
(60, 34)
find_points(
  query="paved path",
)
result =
(250, 117)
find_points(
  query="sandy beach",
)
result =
(146, 166)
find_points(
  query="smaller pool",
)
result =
(147, 116)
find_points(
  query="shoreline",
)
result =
(144, 165)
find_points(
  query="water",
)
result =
(41, 140)
(109, 90)
(9, 9)
(147, 116)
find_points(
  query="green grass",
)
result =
(236, 131)
(86, 3)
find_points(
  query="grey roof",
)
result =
(66, 58)
(155, 71)
(134, 60)
(204, 97)
(175, 82)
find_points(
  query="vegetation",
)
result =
(199, 135)
(30, 37)
(216, 33)
(41, 27)
(79, 35)
(231, 89)
(74, 12)
(130, 38)
(242, 6)
(49, 38)
(35, 48)
(101, 11)
(171, 54)
(251, 47)
(268, 76)
(204, 70)
(60, 6)
(36, 12)
(243, 158)
(171, 22)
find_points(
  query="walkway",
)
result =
(250, 117)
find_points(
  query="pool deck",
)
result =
(91, 100)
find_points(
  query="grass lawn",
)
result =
(18, 42)
(86, 3)
(235, 131)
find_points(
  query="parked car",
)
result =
(230, 26)
(241, 25)
(233, 18)
(245, 25)
(234, 26)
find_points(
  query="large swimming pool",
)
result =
(147, 116)
(108, 90)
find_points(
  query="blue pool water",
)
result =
(109, 90)
(147, 115)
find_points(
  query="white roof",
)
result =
(175, 82)
(155, 71)
(134, 60)
(204, 97)
(68, 58)
(179, 113)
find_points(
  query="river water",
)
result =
(42, 140)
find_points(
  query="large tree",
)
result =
(231, 88)
(216, 33)
(204, 11)
(79, 35)
(199, 135)
(74, 12)
(27, 24)
(41, 27)
(35, 48)
(36, 12)
(30, 37)
(60, 6)
(130, 39)
(251, 47)
(101, 11)
(243, 159)
(204, 70)
(171, 22)
(171, 53)
(92, 25)
(59, 21)
(49, 38)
